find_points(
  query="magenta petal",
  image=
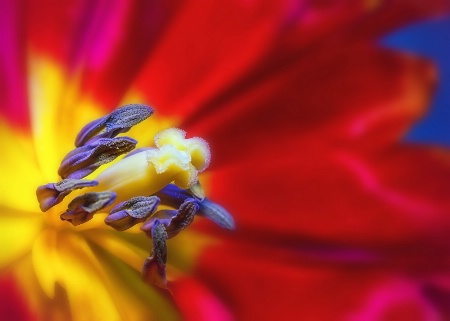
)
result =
(13, 82)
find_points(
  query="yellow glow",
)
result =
(66, 259)
(17, 234)
(58, 112)
(18, 171)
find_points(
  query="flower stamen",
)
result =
(174, 220)
(154, 269)
(144, 179)
(216, 213)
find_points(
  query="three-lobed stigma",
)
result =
(133, 189)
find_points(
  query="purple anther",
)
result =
(119, 121)
(84, 160)
(127, 214)
(53, 193)
(83, 207)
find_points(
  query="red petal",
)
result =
(13, 305)
(327, 164)
(240, 42)
(263, 284)
(197, 303)
(358, 96)
(392, 14)
(252, 42)
(339, 195)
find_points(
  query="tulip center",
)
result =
(132, 189)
